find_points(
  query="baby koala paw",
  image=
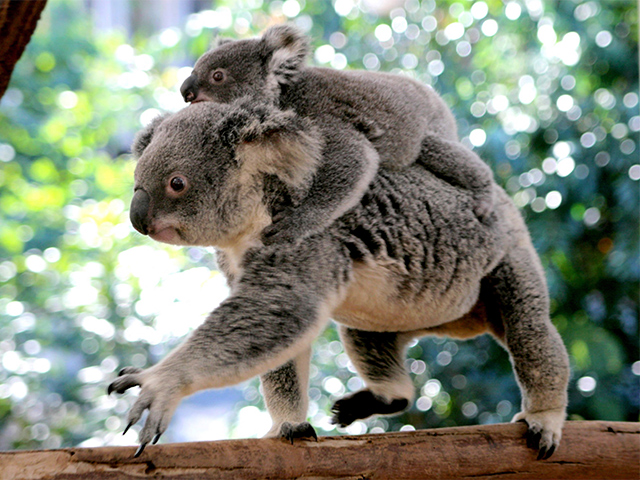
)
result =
(160, 394)
(545, 430)
(287, 227)
(483, 203)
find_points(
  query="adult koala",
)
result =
(410, 260)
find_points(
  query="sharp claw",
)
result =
(542, 453)
(139, 450)
(156, 438)
(110, 389)
(127, 427)
(550, 452)
(533, 439)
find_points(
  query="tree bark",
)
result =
(18, 19)
(589, 450)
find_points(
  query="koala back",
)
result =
(393, 111)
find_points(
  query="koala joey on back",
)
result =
(366, 118)
(410, 259)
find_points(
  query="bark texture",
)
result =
(18, 19)
(589, 450)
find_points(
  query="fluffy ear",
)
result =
(218, 41)
(289, 49)
(144, 136)
(280, 143)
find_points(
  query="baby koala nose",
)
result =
(139, 213)
(189, 88)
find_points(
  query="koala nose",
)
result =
(189, 88)
(140, 211)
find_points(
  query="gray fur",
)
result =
(366, 118)
(410, 259)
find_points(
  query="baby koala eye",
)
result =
(177, 185)
(218, 76)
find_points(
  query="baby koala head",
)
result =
(200, 171)
(253, 67)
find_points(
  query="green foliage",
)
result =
(547, 93)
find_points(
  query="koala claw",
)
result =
(291, 431)
(139, 450)
(158, 395)
(544, 430)
(127, 378)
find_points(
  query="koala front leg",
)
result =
(461, 167)
(379, 359)
(349, 163)
(285, 394)
(537, 352)
(279, 305)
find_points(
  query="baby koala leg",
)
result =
(461, 167)
(378, 358)
(285, 394)
(349, 163)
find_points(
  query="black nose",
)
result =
(189, 88)
(139, 213)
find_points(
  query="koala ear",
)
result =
(280, 143)
(218, 41)
(144, 136)
(289, 49)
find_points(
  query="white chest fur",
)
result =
(374, 302)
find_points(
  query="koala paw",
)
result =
(545, 430)
(291, 431)
(160, 394)
(483, 203)
(286, 228)
(363, 404)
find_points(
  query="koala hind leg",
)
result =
(537, 353)
(378, 358)
(285, 394)
(456, 164)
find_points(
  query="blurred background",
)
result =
(545, 91)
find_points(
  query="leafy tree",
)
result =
(546, 92)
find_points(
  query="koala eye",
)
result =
(218, 76)
(177, 185)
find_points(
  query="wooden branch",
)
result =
(589, 450)
(18, 19)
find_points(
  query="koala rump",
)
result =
(410, 259)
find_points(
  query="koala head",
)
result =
(254, 67)
(200, 171)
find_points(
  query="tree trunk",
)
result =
(18, 19)
(589, 450)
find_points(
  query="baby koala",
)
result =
(367, 119)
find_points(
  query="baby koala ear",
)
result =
(280, 143)
(289, 49)
(144, 136)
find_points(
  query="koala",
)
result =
(409, 259)
(366, 118)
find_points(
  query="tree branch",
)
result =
(18, 20)
(589, 450)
